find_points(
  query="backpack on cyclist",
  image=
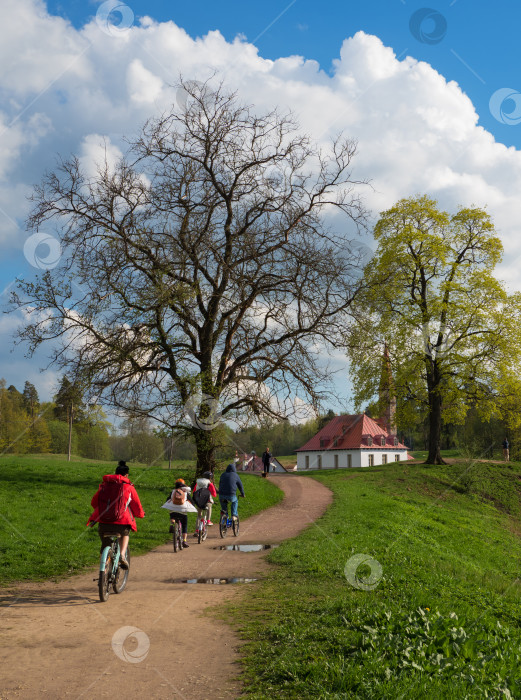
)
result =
(112, 501)
(178, 497)
(201, 497)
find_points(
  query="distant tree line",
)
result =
(28, 426)
(23, 427)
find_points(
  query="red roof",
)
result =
(351, 433)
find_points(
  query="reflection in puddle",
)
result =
(215, 581)
(247, 547)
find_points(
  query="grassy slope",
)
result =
(443, 622)
(46, 504)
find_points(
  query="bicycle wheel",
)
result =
(121, 578)
(202, 530)
(105, 576)
(223, 525)
(235, 524)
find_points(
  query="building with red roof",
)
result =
(351, 441)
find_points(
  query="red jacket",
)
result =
(134, 510)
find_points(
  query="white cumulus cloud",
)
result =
(65, 90)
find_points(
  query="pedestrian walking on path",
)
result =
(266, 462)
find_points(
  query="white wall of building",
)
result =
(339, 459)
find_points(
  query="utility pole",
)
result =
(171, 450)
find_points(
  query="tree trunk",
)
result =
(434, 456)
(205, 443)
(70, 434)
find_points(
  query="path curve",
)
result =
(56, 639)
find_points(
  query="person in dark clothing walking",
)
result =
(266, 461)
(229, 482)
(506, 450)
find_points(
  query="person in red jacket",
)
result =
(127, 521)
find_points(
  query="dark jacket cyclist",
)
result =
(228, 485)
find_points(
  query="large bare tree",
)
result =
(198, 273)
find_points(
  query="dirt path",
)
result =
(59, 641)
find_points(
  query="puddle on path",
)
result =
(246, 547)
(215, 581)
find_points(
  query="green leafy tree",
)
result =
(59, 431)
(15, 423)
(93, 433)
(325, 419)
(39, 435)
(30, 399)
(69, 402)
(283, 438)
(40, 439)
(452, 331)
(142, 444)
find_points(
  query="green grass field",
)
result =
(444, 619)
(45, 504)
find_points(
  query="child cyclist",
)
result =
(204, 482)
(179, 504)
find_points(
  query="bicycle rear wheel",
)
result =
(235, 524)
(223, 525)
(120, 581)
(105, 576)
(202, 530)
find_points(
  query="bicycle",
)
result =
(225, 523)
(202, 526)
(110, 572)
(177, 535)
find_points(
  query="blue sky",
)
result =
(480, 48)
(411, 81)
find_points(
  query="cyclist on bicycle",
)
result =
(132, 509)
(228, 485)
(179, 504)
(205, 481)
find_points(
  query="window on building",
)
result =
(396, 458)
(371, 460)
(395, 441)
(307, 462)
(336, 461)
(370, 441)
(319, 461)
(384, 459)
(382, 440)
(348, 460)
